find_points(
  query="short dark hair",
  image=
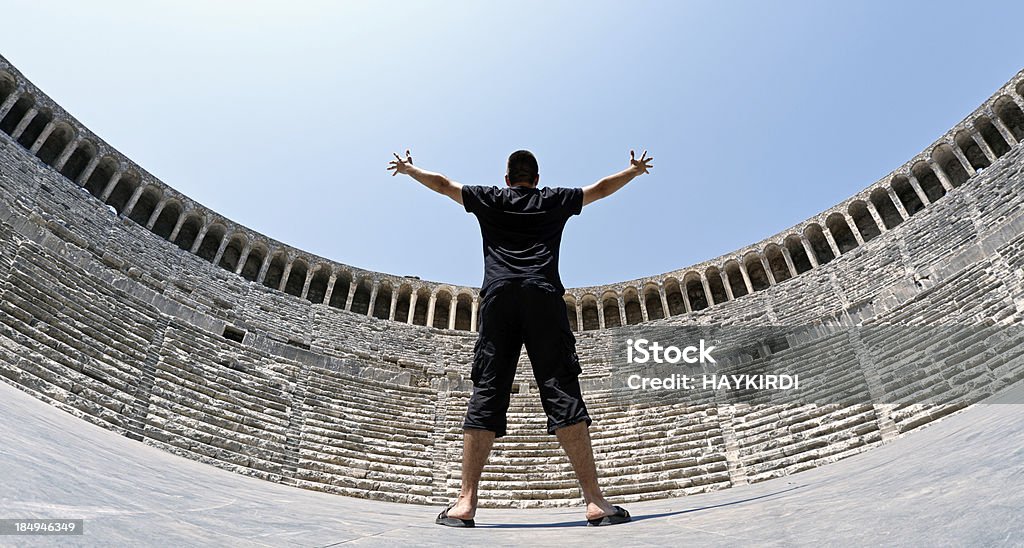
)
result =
(522, 167)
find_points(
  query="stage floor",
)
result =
(956, 482)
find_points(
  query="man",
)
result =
(521, 303)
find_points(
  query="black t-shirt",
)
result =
(522, 230)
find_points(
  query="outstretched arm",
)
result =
(434, 181)
(607, 186)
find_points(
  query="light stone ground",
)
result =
(959, 481)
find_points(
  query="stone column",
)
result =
(262, 276)
(854, 229)
(452, 309)
(243, 257)
(305, 285)
(831, 241)
(962, 158)
(917, 188)
(373, 298)
(600, 314)
(786, 256)
(200, 237)
(643, 304)
(983, 145)
(475, 313)
(873, 211)
(430, 309)
(224, 241)
(352, 292)
(65, 154)
(898, 204)
(726, 284)
(109, 189)
(43, 136)
(622, 309)
(687, 305)
(25, 121)
(177, 227)
(941, 174)
(579, 314)
(156, 214)
(284, 275)
(664, 301)
(1003, 130)
(8, 103)
(707, 290)
(809, 250)
(412, 307)
(83, 177)
(746, 277)
(133, 200)
(394, 304)
(767, 269)
(330, 287)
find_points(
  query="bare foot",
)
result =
(597, 509)
(464, 509)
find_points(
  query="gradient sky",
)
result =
(283, 115)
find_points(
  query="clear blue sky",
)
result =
(283, 115)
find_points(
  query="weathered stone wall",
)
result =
(105, 318)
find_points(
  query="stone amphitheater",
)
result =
(134, 308)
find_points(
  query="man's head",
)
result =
(522, 169)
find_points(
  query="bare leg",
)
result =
(476, 446)
(575, 440)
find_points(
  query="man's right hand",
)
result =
(399, 165)
(642, 165)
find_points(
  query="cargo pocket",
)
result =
(571, 361)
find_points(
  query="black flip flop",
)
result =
(443, 519)
(620, 516)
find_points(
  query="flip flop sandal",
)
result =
(443, 519)
(620, 516)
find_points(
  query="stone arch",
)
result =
(819, 245)
(862, 219)
(588, 308)
(975, 156)
(296, 277)
(1011, 115)
(382, 303)
(101, 175)
(419, 315)
(275, 271)
(907, 195)
(674, 296)
(14, 116)
(55, 143)
(464, 311)
(318, 284)
(8, 85)
(634, 314)
(695, 291)
(35, 128)
(801, 262)
(716, 285)
(991, 136)
(570, 311)
(776, 262)
(402, 304)
(442, 307)
(339, 294)
(928, 181)
(950, 165)
(736, 284)
(79, 160)
(254, 262)
(886, 208)
(652, 300)
(755, 271)
(168, 219)
(123, 191)
(146, 205)
(211, 241)
(361, 297)
(840, 231)
(189, 231)
(233, 251)
(610, 306)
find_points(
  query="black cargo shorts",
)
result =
(513, 314)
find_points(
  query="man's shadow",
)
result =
(635, 518)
